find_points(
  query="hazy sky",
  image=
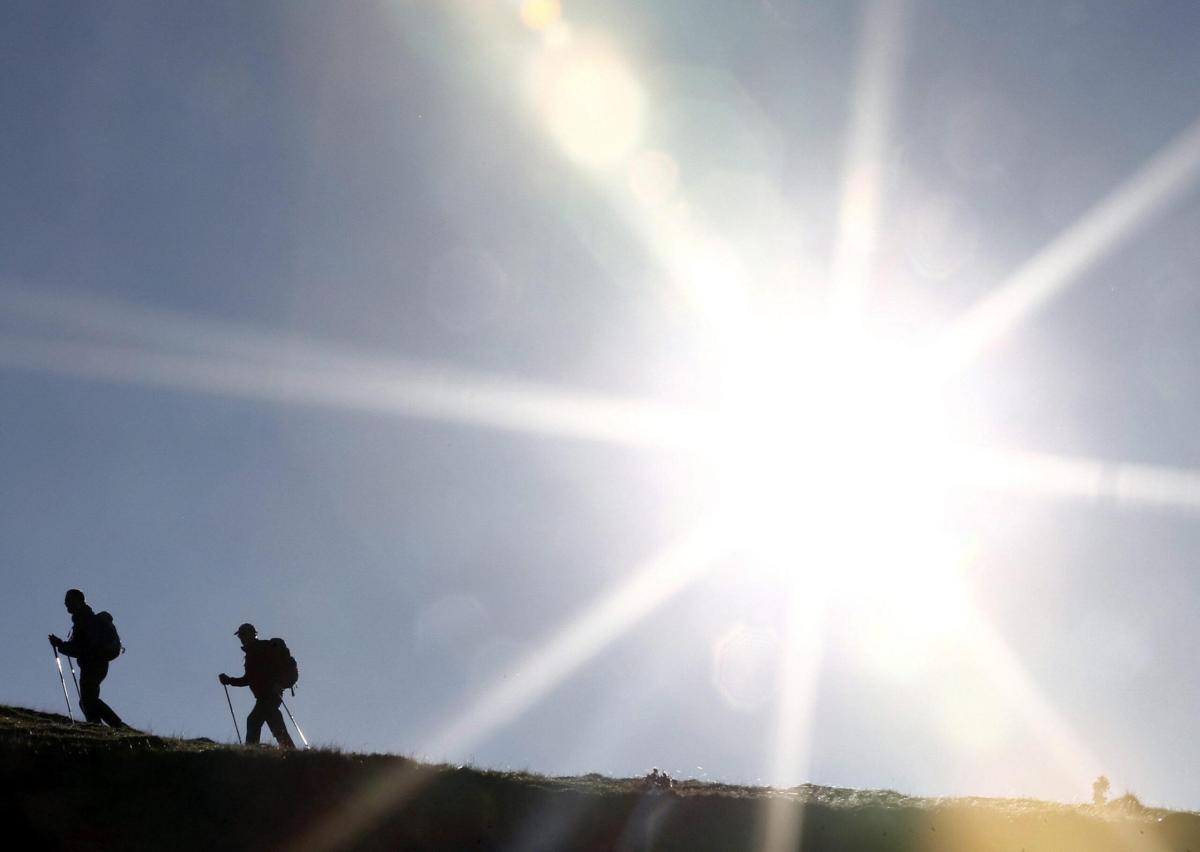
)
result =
(391, 327)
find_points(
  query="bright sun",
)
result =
(832, 457)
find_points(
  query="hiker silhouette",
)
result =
(263, 677)
(91, 640)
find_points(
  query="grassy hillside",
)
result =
(83, 788)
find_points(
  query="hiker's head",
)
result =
(74, 601)
(246, 632)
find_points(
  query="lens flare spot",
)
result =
(591, 102)
(541, 15)
(743, 666)
(468, 291)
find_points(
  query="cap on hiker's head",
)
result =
(245, 629)
(74, 595)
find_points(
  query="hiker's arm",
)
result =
(70, 647)
(236, 681)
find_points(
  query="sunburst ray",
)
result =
(127, 344)
(513, 692)
(1099, 232)
(1120, 483)
(882, 39)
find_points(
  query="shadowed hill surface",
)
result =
(86, 788)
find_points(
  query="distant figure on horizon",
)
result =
(267, 677)
(94, 643)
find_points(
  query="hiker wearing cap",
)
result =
(266, 681)
(94, 643)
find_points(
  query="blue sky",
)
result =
(228, 226)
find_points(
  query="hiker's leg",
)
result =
(90, 675)
(103, 712)
(254, 722)
(108, 715)
(278, 728)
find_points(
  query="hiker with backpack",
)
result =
(94, 642)
(270, 669)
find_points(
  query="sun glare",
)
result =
(831, 457)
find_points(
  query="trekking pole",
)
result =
(63, 680)
(303, 738)
(231, 713)
(71, 666)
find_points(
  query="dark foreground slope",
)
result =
(83, 788)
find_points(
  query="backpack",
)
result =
(284, 671)
(108, 641)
